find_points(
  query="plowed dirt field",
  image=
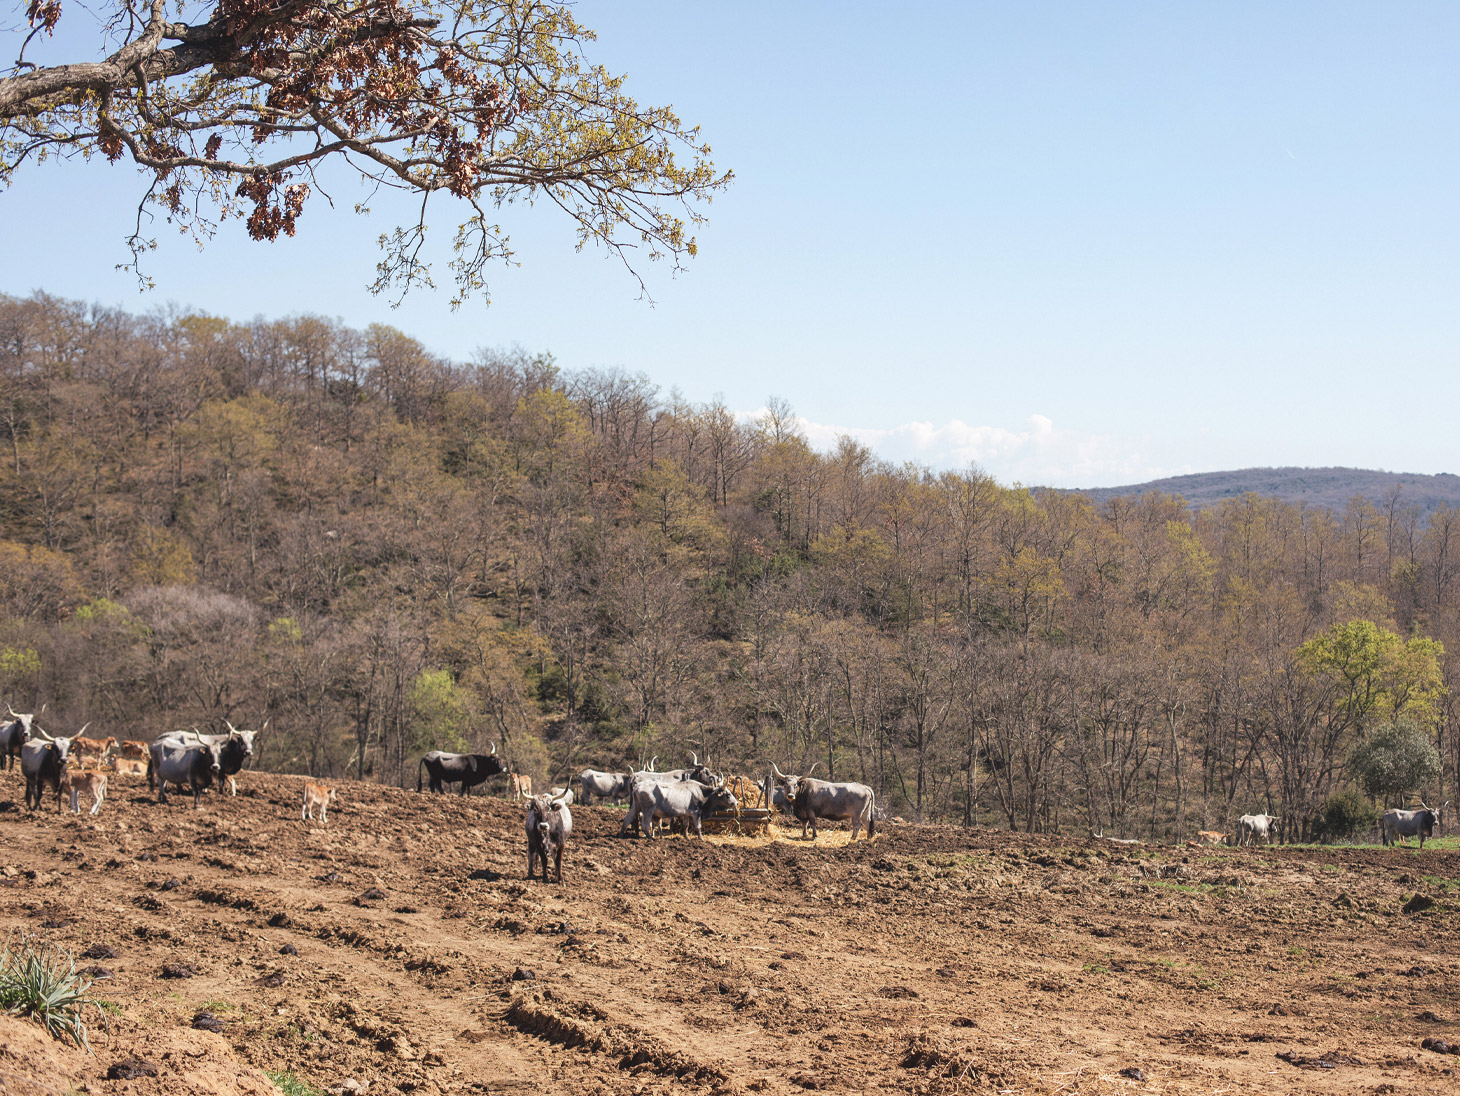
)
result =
(400, 948)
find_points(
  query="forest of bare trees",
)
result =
(383, 552)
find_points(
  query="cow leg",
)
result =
(232, 786)
(96, 806)
(557, 864)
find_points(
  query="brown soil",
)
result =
(932, 960)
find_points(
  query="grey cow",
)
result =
(1395, 824)
(1254, 827)
(42, 762)
(682, 799)
(644, 778)
(237, 747)
(14, 734)
(549, 824)
(813, 799)
(605, 785)
(197, 765)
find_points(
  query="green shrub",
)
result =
(44, 985)
(1344, 814)
(1395, 759)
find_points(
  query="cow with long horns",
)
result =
(813, 799)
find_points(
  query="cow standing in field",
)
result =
(468, 770)
(236, 748)
(1252, 828)
(14, 734)
(76, 784)
(85, 750)
(647, 777)
(549, 824)
(605, 785)
(1210, 837)
(197, 765)
(1395, 825)
(42, 762)
(686, 801)
(812, 799)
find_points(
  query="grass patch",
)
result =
(219, 1006)
(43, 984)
(291, 1085)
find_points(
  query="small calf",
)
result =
(97, 746)
(89, 783)
(521, 785)
(135, 750)
(1210, 837)
(317, 795)
(126, 767)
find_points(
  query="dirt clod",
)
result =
(177, 970)
(522, 974)
(129, 1069)
(1135, 1073)
(98, 951)
(207, 1021)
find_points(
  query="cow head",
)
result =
(25, 719)
(62, 746)
(720, 799)
(246, 737)
(215, 758)
(791, 784)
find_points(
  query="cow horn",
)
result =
(813, 767)
(265, 727)
(652, 762)
(81, 732)
(231, 728)
(493, 751)
(12, 711)
(694, 758)
(43, 709)
(778, 770)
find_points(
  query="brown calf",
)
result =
(1210, 837)
(317, 795)
(124, 766)
(521, 785)
(88, 783)
(134, 749)
(99, 746)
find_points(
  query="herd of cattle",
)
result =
(683, 798)
(186, 759)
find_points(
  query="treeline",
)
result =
(381, 552)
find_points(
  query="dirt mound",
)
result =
(398, 949)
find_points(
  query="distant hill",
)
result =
(1331, 487)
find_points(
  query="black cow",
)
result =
(468, 770)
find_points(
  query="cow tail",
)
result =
(420, 769)
(871, 822)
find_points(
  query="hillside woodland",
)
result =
(381, 552)
(1330, 487)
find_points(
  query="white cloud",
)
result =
(1038, 453)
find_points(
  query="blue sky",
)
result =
(1075, 244)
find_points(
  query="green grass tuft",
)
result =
(44, 985)
(291, 1085)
